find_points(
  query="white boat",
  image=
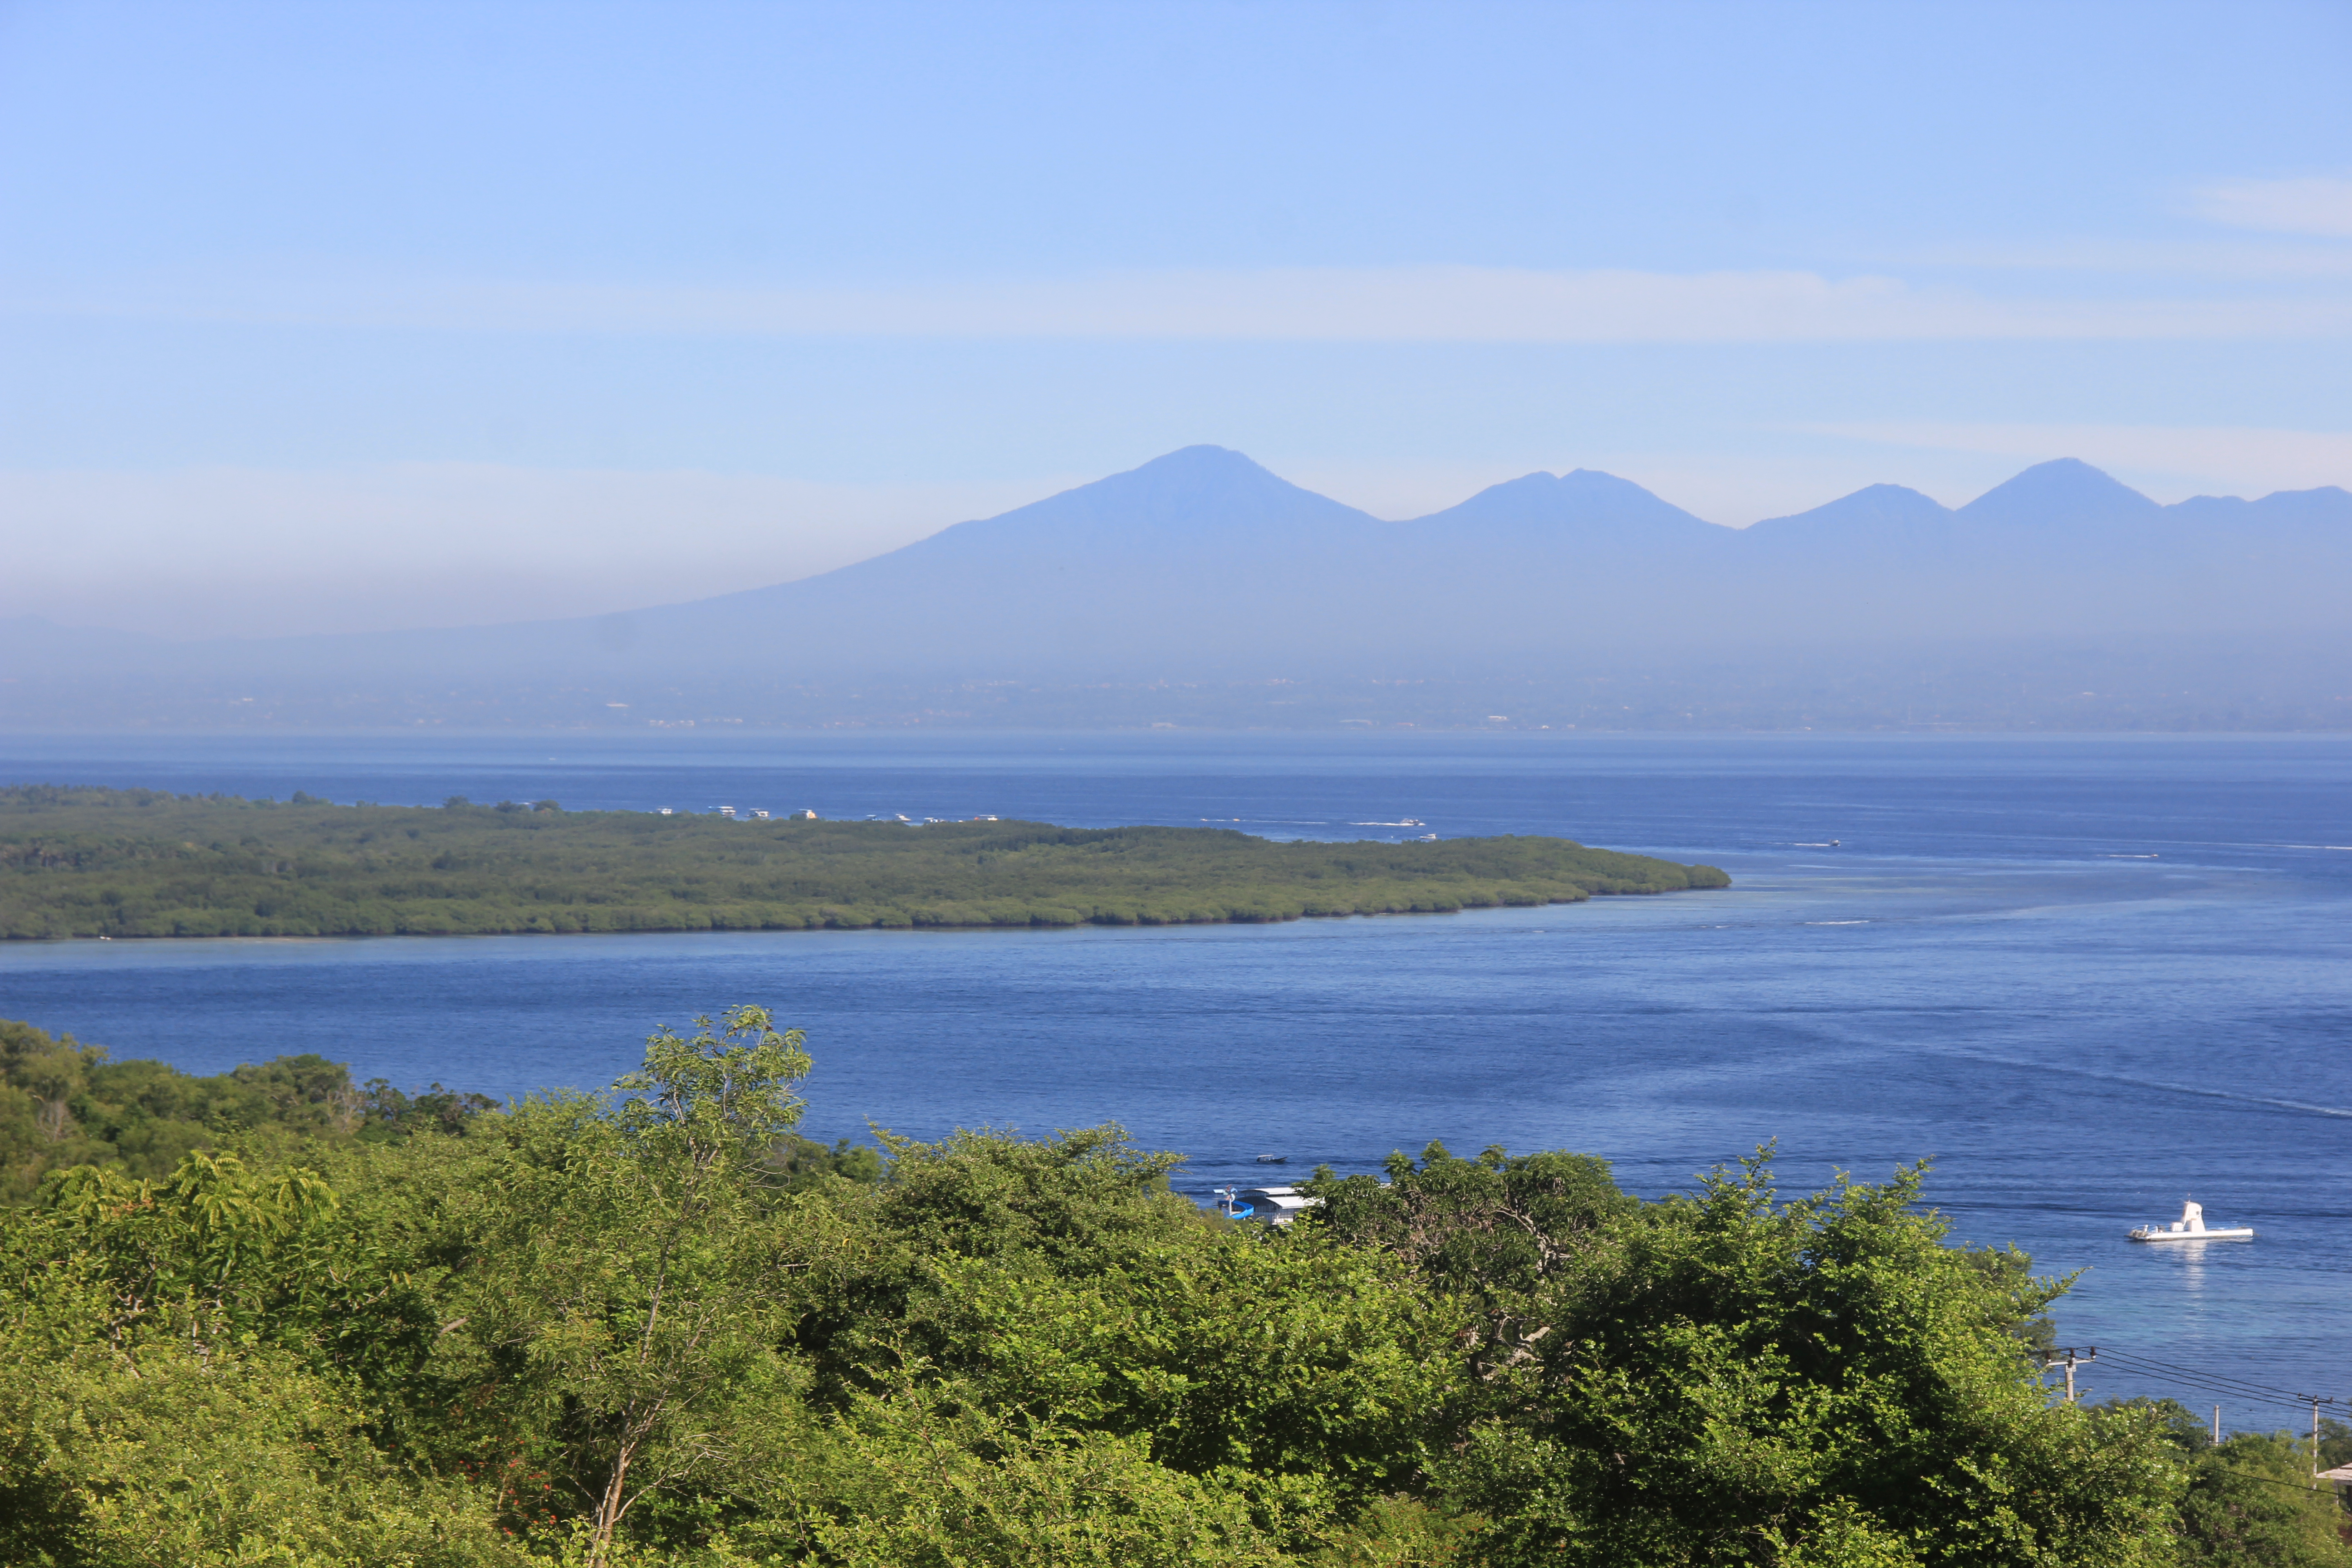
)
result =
(1280, 1205)
(2191, 1227)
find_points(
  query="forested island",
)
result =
(274, 1318)
(88, 862)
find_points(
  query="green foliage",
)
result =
(196, 1457)
(2249, 1499)
(1497, 1229)
(658, 1328)
(618, 1290)
(797, 1164)
(63, 1104)
(1400, 1531)
(2335, 1443)
(2174, 1422)
(167, 1386)
(2251, 1502)
(1726, 1380)
(923, 1478)
(117, 863)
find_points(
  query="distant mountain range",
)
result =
(1201, 589)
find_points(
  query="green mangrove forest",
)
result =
(87, 862)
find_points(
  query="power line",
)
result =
(2208, 1382)
(2243, 1390)
(2248, 1384)
(2266, 1480)
(2212, 1380)
(2202, 1386)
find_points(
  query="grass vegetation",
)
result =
(141, 863)
(653, 1328)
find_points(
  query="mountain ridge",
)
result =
(1202, 569)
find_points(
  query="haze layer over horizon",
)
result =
(370, 317)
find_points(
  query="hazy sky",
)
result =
(352, 315)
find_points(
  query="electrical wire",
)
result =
(2210, 1382)
(2207, 1390)
(2229, 1387)
(2149, 1363)
(2268, 1480)
(2153, 1364)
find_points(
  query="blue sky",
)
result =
(372, 315)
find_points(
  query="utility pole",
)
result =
(2315, 1401)
(2070, 1357)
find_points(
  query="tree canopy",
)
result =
(655, 1327)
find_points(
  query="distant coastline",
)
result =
(89, 862)
(2059, 600)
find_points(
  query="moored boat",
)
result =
(2191, 1227)
(1279, 1204)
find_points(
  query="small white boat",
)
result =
(1279, 1204)
(2191, 1227)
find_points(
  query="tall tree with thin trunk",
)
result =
(617, 1300)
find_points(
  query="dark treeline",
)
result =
(63, 1103)
(99, 862)
(655, 1327)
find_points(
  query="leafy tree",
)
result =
(2250, 1503)
(616, 1292)
(925, 1475)
(1725, 1379)
(2335, 1443)
(64, 1104)
(1060, 1286)
(196, 1454)
(2249, 1500)
(161, 1399)
(801, 1165)
(1502, 1232)
(658, 1328)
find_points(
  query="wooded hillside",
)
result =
(651, 1328)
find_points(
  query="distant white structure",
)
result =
(666, 811)
(760, 816)
(806, 815)
(2191, 1227)
(726, 811)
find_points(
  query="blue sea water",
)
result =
(2086, 977)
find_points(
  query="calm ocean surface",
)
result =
(2086, 976)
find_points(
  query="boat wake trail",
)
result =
(2305, 1107)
